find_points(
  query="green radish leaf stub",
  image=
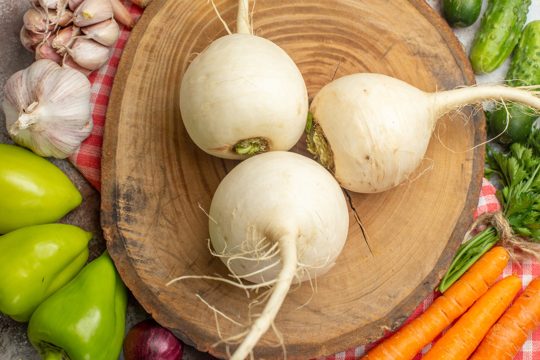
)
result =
(251, 146)
(318, 146)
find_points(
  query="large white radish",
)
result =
(275, 219)
(372, 131)
(243, 95)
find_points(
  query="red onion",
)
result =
(149, 341)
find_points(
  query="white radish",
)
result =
(372, 131)
(243, 95)
(275, 219)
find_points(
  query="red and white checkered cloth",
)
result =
(88, 158)
(88, 161)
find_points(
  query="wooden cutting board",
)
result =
(156, 182)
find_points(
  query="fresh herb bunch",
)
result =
(518, 173)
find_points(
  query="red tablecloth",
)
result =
(88, 161)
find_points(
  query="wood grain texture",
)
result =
(155, 180)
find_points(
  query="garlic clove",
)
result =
(37, 21)
(52, 4)
(92, 12)
(64, 17)
(64, 38)
(45, 50)
(106, 32)
(70, 63)
(30, 39)
(121, 14)
(47, 108)
(74, 4)
(88, 53)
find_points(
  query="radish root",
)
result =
(283, 282)
(220, 18)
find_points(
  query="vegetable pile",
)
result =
(278, 218)
(75, 33)
(75, 311)
(477, 300)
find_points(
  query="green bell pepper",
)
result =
(36, 261)
(84, 320)
(32, 190)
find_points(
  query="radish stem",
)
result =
(287, 244)
(447, 101)
(243, 25)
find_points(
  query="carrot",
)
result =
(507, 336)
(411, 338)
(460, 341)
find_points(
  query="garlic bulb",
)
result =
(47, 108)
(77, 34)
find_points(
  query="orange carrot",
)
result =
(411, 338)
(507, 336)
(461, 339)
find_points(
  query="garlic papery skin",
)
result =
(30, 39)
(92, 12)
(47, 108)
(106, 32)
(88, 53)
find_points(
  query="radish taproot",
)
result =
(243, 95)
(372, 131)
(277, 218)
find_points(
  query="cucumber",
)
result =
(461, 13)
(524, 71)
(499, 33)
(525, 66)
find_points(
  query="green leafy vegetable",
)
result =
(519, 173)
